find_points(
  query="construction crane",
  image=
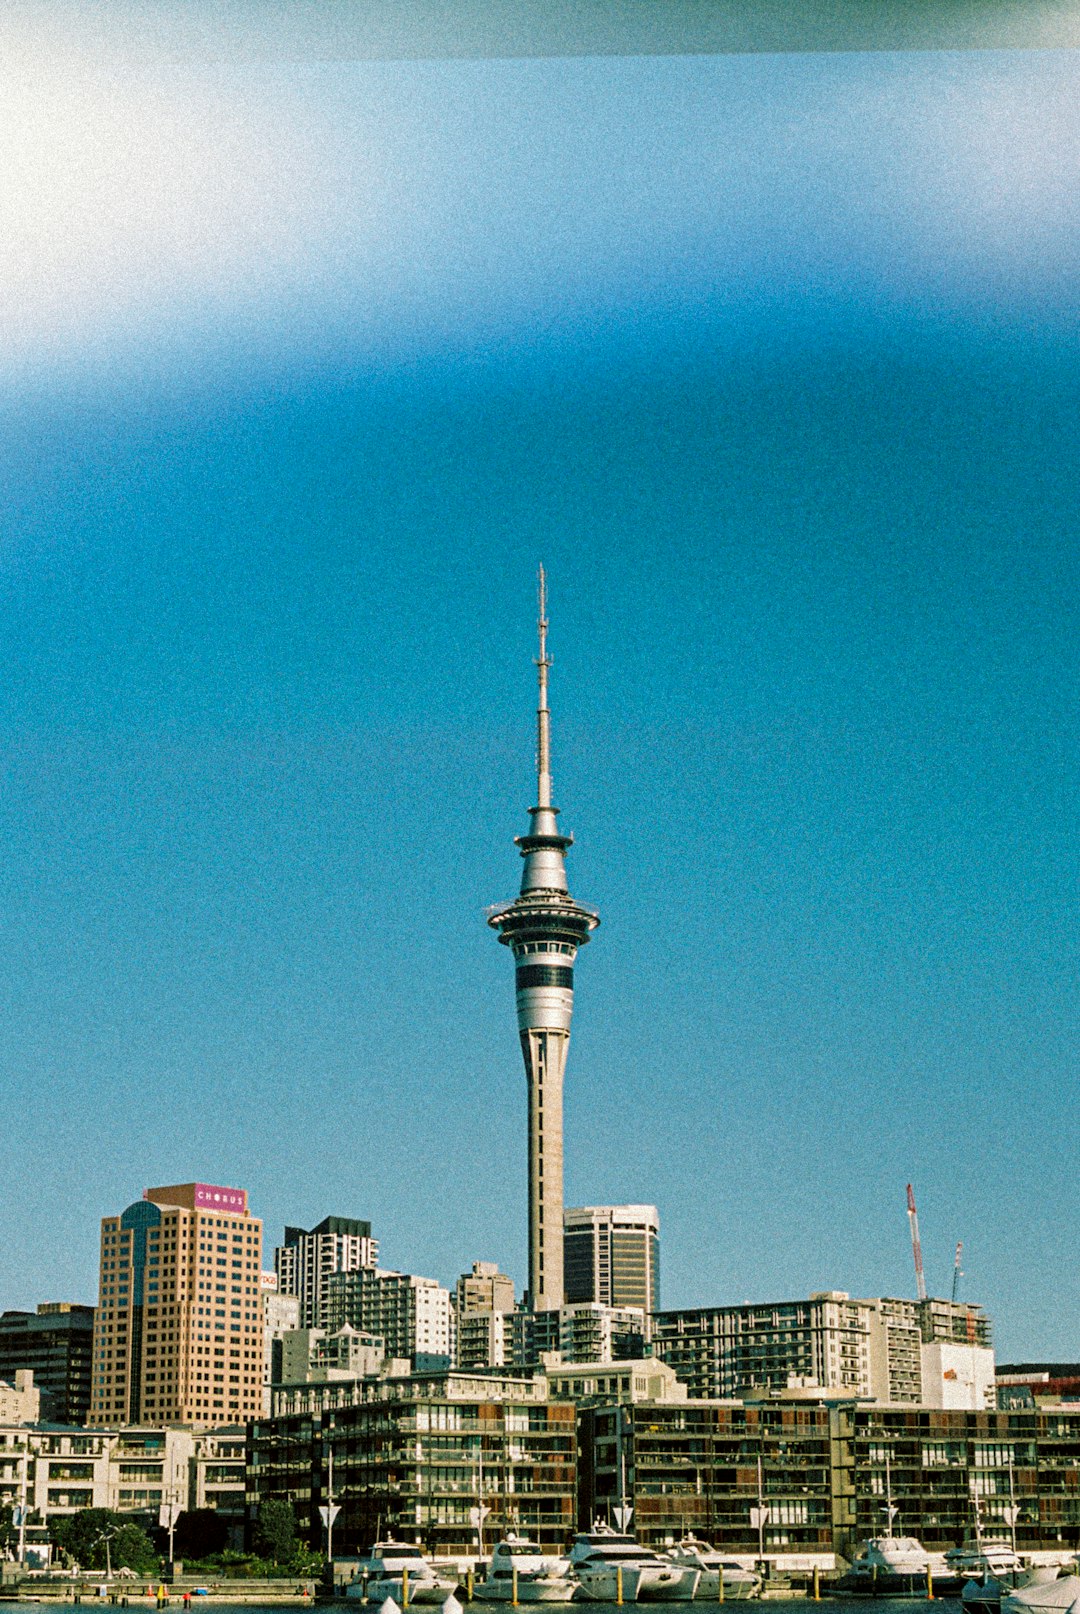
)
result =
(956, 1273)
(916, 1247)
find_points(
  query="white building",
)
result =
(130, 1470)
(20, 1401)
(413, 1316)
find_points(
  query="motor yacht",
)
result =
(887, 1566)
(382, 1574)
(520, 1566)
(989, 1557)
(739, 1583)
(606, 1563)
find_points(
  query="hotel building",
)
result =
(178, 1336)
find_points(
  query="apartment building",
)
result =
(413, 1458)
(412, 1316)
(889, 1351)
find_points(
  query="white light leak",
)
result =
(381, 208)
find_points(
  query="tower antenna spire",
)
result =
(543, 713)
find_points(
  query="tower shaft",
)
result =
(544, 927)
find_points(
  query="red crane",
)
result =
(916, 1247)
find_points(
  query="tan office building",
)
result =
(178, 1336)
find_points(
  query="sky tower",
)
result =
(544, 927)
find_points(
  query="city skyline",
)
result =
(771, 362)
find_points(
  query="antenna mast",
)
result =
(543, 713)
(916, 1247)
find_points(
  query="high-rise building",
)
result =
(307, 1258)
(544, 927)
(56, 1344)
(611, 1256)
(412, 1316)
(485, 1288)
(178, 1336)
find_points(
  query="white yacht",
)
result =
(884, 1564)
(738, 1582)
(989, 1557)
(383, 1572)
(605, 1562)
(520, 1566)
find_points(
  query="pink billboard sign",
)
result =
(233, 1201)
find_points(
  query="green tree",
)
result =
(275, 1532)
(97, 1537)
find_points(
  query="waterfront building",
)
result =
(544, 928)
(823, 1473)
(178, 1337)
(308, 1257)
(412, 1316)
(701, 1468)
(413, 1458)
(133, 1470)
(890, 1351)
(55, 1343)
(611, 1256)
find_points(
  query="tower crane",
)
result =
(956, 1273)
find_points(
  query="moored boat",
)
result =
(390, 1567)
(888, 1566)
(520, 1572)
(738, 1583)
(610, 1566)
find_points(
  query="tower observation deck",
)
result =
(544, 927)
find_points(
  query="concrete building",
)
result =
(308, 1257)
(1024, 1385)
(483, 1303)
(56, 1344)
(20, 1401)
(414, 1457)
(178, 1337)
(589, 1383)
(485, 1288)
(611, 1256)
(583, 1333)
(316, 1356)
(888, 1351)
(413, 1316)
(544, 928)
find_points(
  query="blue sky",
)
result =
(772, 361)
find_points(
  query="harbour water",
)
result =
(826, 1605)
